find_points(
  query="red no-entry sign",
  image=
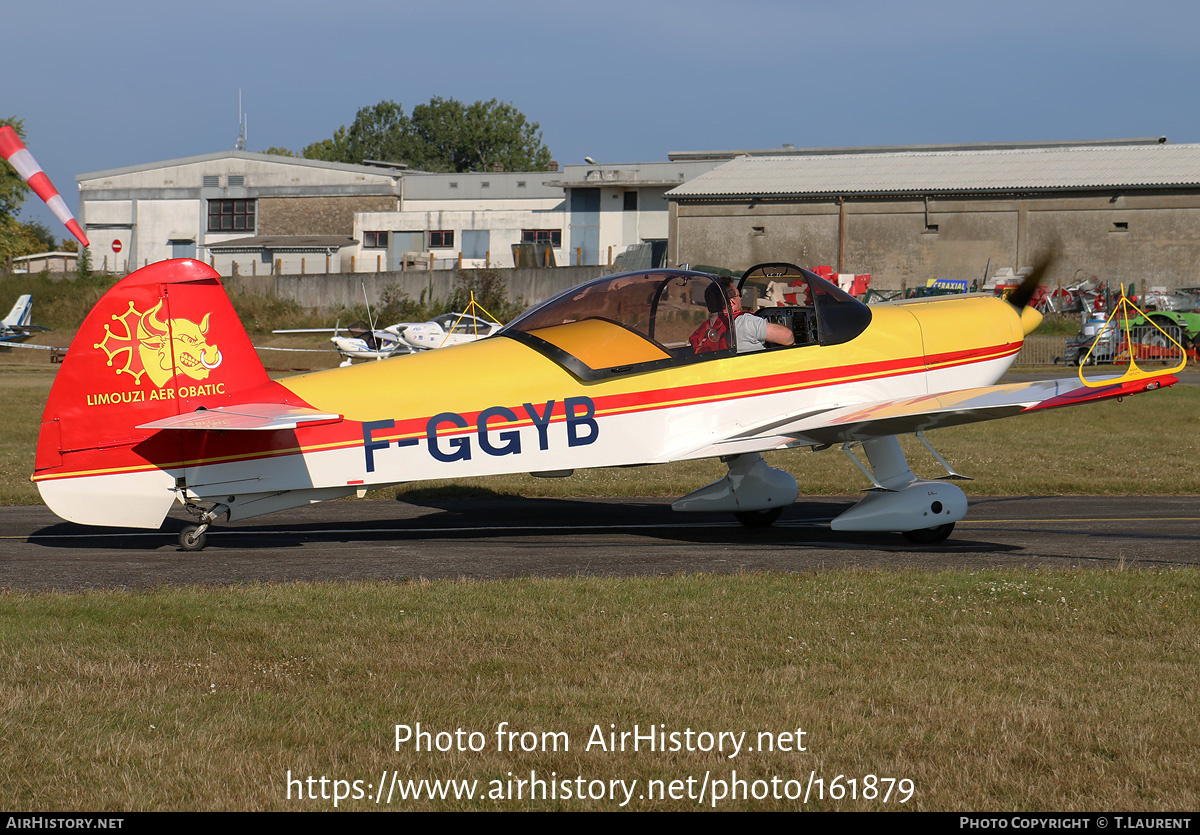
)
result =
(117, 245)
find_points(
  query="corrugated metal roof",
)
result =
(794, 151)
(951, 171)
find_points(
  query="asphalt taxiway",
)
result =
(493, 538)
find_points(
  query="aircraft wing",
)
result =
(7, 343)
(952, 408)
(880, 418)
(296, 350)
(246, 416)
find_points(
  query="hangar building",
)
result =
(1123, 210)
(260, 207)
(266, 214)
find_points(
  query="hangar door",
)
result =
(585, 225)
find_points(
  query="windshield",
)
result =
(836, 316)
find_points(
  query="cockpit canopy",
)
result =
(836, 316)
(641, 321)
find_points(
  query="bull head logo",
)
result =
(164, 349)
(184, 339)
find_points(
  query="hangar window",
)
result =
(441, 239)
(231, 216)
(553, 237)
(375, 240)
(1120, 226)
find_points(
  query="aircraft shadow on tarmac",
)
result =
(804, 524)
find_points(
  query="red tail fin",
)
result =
(163, 341)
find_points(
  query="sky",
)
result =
(128, 82)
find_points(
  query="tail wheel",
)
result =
(929, 536)
(759, 518)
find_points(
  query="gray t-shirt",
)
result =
(751, 333)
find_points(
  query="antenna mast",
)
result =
(241, 142)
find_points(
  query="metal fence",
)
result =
(1147, 342)
(1042, 350)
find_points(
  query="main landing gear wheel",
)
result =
(192, 538)
(929, 536)
(759, 518)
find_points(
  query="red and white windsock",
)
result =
(14, 150)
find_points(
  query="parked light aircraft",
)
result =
(362, 342)
(16, 326)
(162, 399)
(445, 330)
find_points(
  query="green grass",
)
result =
(57, 303)
(24, 389)
(996, 690)
(1059, 324)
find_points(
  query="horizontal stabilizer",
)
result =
(246, 416)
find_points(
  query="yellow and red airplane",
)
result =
(162, 399)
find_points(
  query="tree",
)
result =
(16, 238)
(83, 264)
(496, 133)
(438, 133)
(442, 135)
(379, 133)
(41, 233)
(330, 150)
(281, 152)
(13, 190)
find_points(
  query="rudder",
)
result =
(163, 341)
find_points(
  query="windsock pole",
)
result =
(18, 156)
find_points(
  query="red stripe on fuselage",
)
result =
(212, 447)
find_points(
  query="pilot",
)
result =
(753, 332)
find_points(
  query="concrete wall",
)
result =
(329, 292)
(907, 241)
(504, 228)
